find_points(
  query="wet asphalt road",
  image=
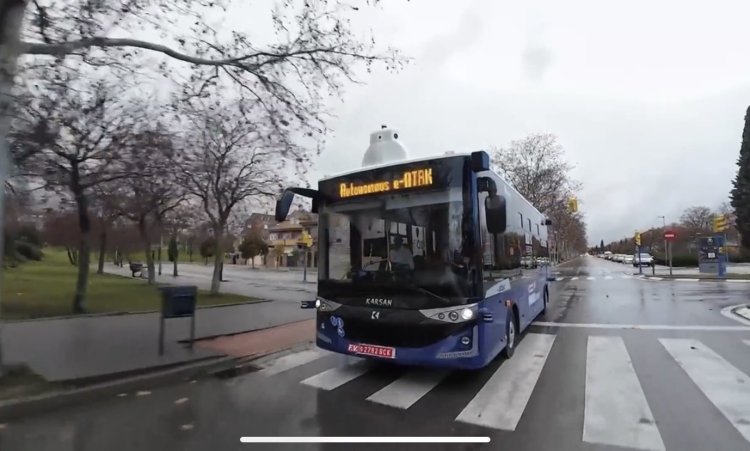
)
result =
(588, 377)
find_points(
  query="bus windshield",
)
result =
(409, 243)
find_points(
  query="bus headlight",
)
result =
(453, 315)
(467, 314)
(317, 303)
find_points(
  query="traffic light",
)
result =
(637, 238)
(573, 205)
(720, 223)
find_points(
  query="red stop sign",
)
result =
(669, 235)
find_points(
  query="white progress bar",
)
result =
(365, 439)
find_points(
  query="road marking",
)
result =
(359, 439)
(290, 361)
(737, 281)
(502, 400)
(590, 278)
(643, 326)
(728, 312)
(574, 278)
(655, 278)
(625, 276)
(336, 377)
(723, 384)
(607, 277)
(687, 280)
(616, 411)
(409, 388)
(559, 278)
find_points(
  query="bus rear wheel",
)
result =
(511, 333)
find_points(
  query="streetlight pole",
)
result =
(664, 223)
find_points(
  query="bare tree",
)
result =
(154, 189)
(105, 202)
(230, 160)
(75, 129)
(536, 167)
(697, 219)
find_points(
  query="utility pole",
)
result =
(664, 223)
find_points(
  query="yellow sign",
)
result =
(720, 223)
(306, 239)
(573, 205)
(409, 179)
(637, 238)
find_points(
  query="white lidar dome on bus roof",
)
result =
(385, 147)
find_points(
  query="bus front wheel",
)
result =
(511, 333)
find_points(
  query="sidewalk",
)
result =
(84, 347)
(270, 285)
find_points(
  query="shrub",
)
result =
(28, 250)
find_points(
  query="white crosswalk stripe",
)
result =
(625, 276)
(607, 277)
(408, 389)
(290, 361)
(590, 278)
(336, 377)
(616, 411)
(724, 385)
(502, 400)
(574, 278)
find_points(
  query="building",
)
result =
(284, 238)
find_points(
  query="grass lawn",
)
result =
(46, 288)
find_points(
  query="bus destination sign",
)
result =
(405, 180)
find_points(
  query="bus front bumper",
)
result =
(460, 350)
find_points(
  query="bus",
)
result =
(432, 262)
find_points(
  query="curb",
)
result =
(213, 337)
(20, 407)
(692, 279)
(16, 408)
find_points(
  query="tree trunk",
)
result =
(174, 268)
(143, 229)
(102, 250)
(84, 250)
(218, 259)
(253, 262)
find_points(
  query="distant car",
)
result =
(617, 258)
(645, 260)
(628, 259)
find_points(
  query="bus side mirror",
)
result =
(283, 204)
(548, 222)
(494, 211)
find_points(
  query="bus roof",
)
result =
(397, 163)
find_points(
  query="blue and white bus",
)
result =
(435, 262)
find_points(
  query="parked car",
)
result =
(627, 259)
(645, 260)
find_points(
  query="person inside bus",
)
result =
(401, 257)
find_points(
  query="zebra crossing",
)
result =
(616, 410)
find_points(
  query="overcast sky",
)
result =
(648, 98)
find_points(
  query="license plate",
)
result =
(373, 350)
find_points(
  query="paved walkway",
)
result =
(62, 349)
(271, 285)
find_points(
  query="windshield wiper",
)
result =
(430, 293)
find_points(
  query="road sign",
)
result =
(720, 223)
(669, 235)
(637, 238)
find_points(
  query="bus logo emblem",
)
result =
(379, 302)
(375, 315)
